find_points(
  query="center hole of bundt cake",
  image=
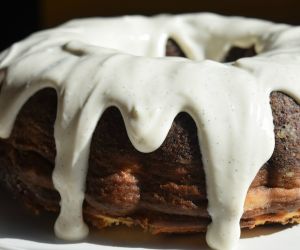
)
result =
(234, 53)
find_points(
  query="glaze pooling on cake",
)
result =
(227, 101)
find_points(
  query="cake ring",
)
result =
(130, 136)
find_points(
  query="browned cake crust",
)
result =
(163, 191)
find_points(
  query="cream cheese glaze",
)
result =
(96, 63)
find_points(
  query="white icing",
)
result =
(229, 102)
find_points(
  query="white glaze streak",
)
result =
(229, 102)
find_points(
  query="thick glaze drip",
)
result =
(227, 101)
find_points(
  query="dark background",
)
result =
(20, 18)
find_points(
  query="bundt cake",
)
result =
(100, 123)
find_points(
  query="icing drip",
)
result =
(227, 101)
